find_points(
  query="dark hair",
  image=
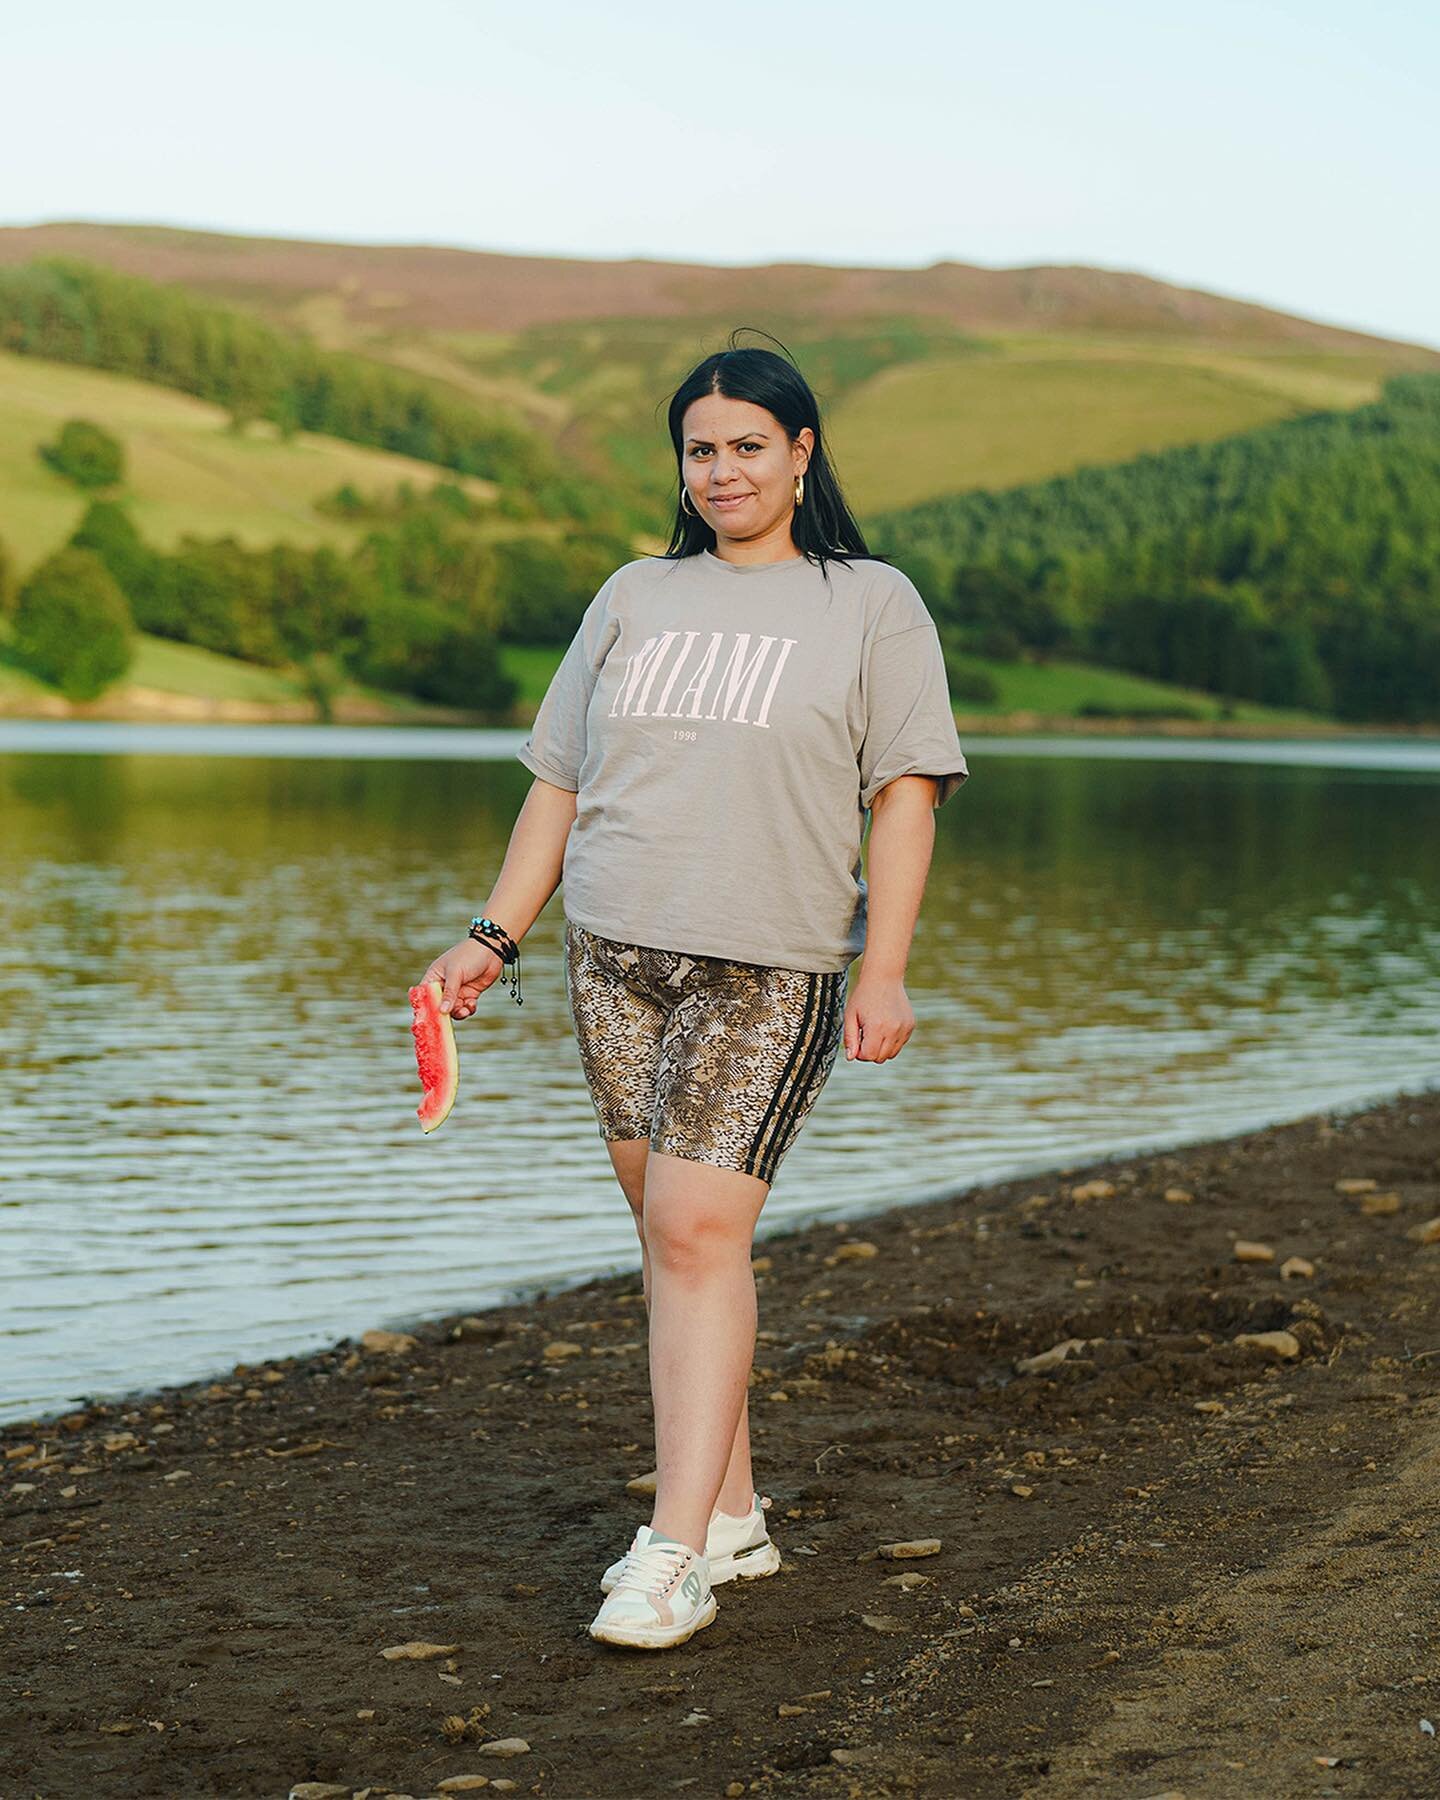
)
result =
(823, 526)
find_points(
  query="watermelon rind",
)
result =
(435, 1055)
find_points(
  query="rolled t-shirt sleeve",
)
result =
(555, 748)
(909, 725)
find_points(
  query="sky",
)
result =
(1280, 153)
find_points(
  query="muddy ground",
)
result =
(1170, 1563)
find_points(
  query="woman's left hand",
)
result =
(878, 1020)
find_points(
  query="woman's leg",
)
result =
(630, 1156)
(743, 1058)
(699, 1224)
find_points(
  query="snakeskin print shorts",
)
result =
(718, 1062)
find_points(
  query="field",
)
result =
(185, 471)
(1029, 410)
(182, 682)
(1063, 688)
(912, 411)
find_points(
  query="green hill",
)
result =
(915, 408)
(1023, 410)
(186, 472)
(1072, 463)
(934, 380)
(181, 682)
(1060, 689)
(1298, 564)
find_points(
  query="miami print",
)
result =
(734, 684)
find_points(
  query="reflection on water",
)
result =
(208, 1143)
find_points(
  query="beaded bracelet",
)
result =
(496, 938)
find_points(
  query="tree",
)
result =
(539, 601)
(72, 625)
(1291, 671)
(413, 647)
(592, 557)
(347, 502)
(924, 572)
(315, 601)
(985, 606)
(86, 454)
(219, 595)
(108, 530)
(969, 682)
(464, 670)
(73, 311)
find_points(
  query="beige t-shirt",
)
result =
(725, 727)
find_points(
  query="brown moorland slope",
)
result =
(434, 287)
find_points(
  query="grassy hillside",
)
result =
(1023, 410)
(187, 672)
(934, 380)
(920, 415)
(185, 471)
(934, 383)
(1064, 689)
(181, 681)
(1296, 564)
(168, 668)
(1056, 689)
(915, 409)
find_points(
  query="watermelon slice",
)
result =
(435, 1053)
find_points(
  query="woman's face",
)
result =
(740, 467)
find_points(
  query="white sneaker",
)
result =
(734, 1548)
(661, 1598)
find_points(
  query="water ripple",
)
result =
(209, 1153)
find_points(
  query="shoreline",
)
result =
(155, 706)
(152, 706)
(204, 1575)
(526, 1293)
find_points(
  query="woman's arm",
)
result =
(528, 877)
(534, 858)
(878, 1016)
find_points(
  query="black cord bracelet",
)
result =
(496, 938)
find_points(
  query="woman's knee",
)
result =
(694, 1246)
(700, 1221)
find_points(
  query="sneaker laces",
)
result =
(651, 1566)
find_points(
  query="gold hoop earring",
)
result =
(683, 507)
(799, 490)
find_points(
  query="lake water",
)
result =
(208, 1144)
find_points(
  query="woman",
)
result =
(704, 758)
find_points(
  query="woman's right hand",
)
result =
(465, 971)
